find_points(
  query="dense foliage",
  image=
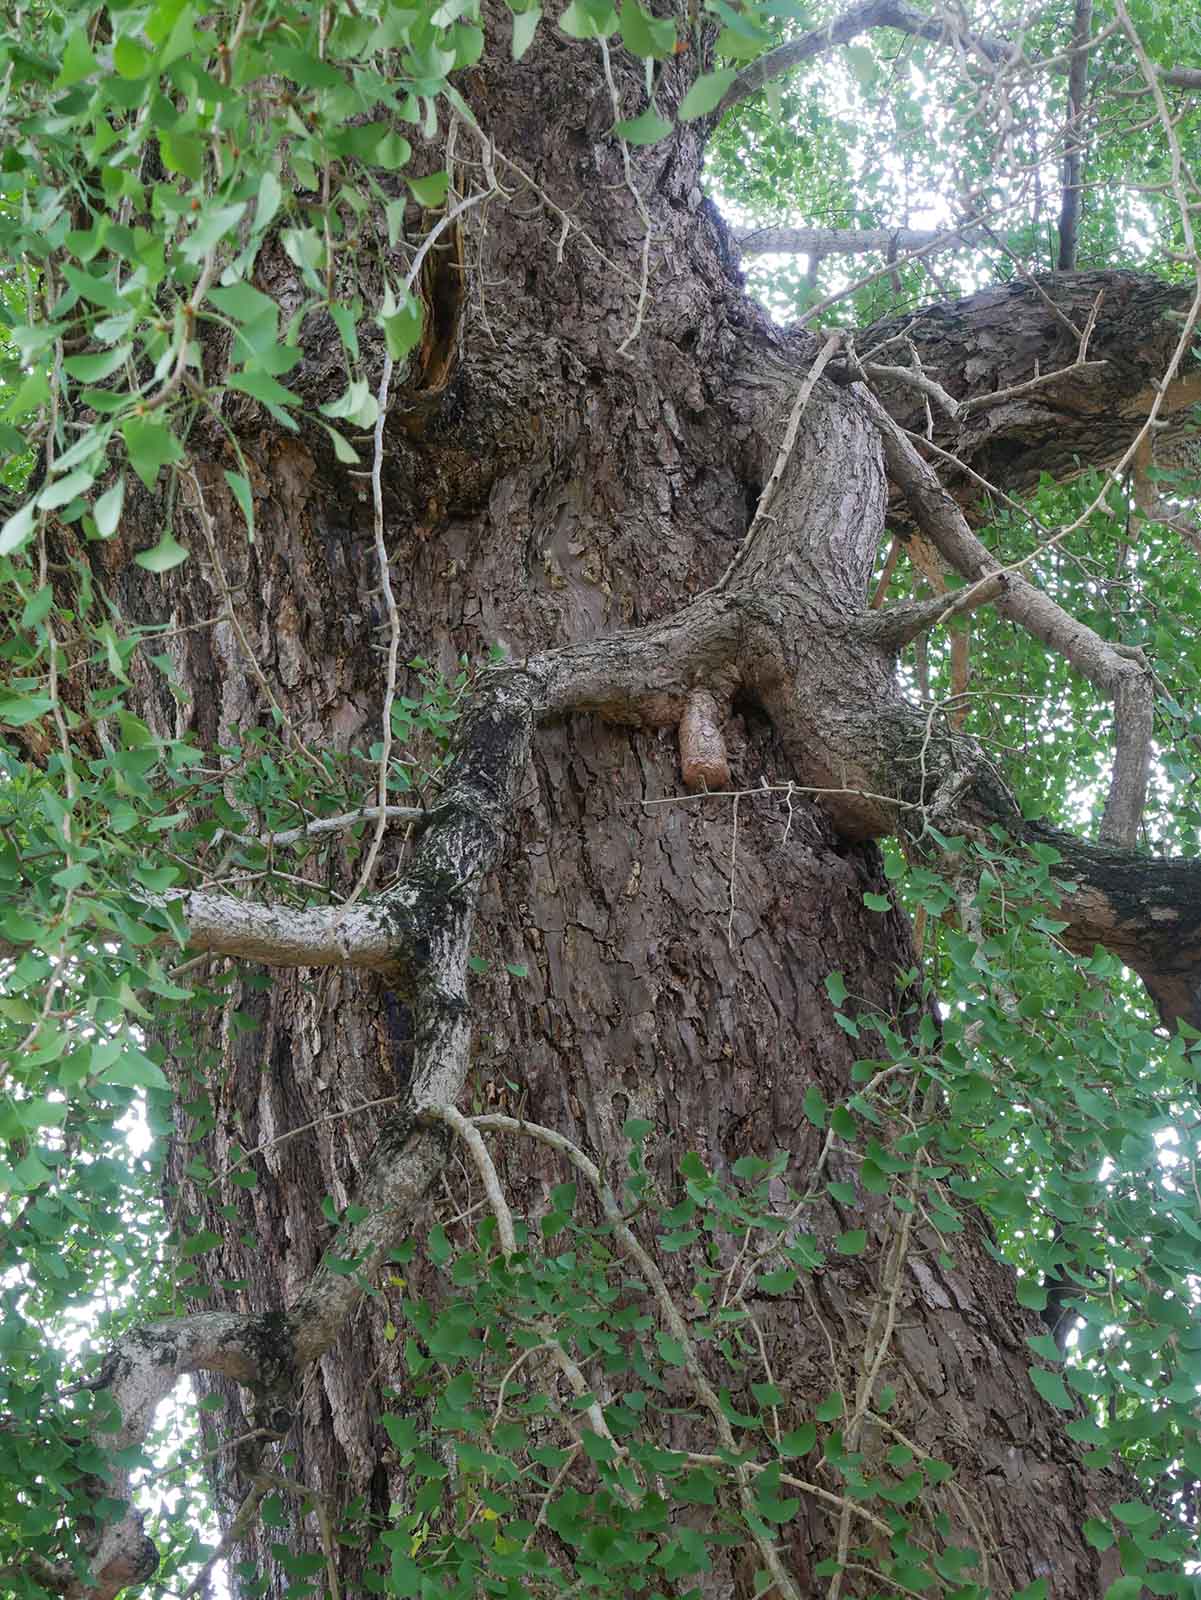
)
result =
(148, 155)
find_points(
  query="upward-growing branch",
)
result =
(857, 19)
(1073, 160)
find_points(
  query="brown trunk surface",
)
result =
(542, 488)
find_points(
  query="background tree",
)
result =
(461, 661)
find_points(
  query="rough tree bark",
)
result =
(547, 488)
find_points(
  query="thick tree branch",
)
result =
(899, 625)
(460, 844)
(1119, 674)
(855, 20)
(1181, 77)
(141, 1369)
(1009, 356)
(369, 936)
(1144, 910)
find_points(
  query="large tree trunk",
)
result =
(544, 486)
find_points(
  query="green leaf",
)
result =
(30, 1173)
(588, 19)
(95, 368)
(107, 510)
(853, 1243)
(200, 1244)
(357, 405)
(778, 1282)
(1125, 1589)
(261, 386)
(151, 446)
(1052, 1388)
(1031, 1294)
(402, 327)
(240, 487)
(836, 988)
(242, 302)
(1044, 1345)
(17, 710)
(402, 1431)
(706, 94)
(1134, 1512)
(873, 1178)
(648, 128)
(525, 25)
(344, 451)
(135, 1071)
(596, 1446)
(671, 1350)
(430, 191)
(62, 491)
(38, 607)
(877, 902)
(645, 35)
(78, 61)
(130, 58)
(17, 529)
(831, 1408)
(167, 553)
(268, 203)
(800, 1441)
(1098, 1534)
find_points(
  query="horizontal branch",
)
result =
(320, 827)
(1181, 77)
(842, 241)
(857, 19)
(1031, 401)
(643, 677)
(369, 936)
(899, 625)
(1145, 910)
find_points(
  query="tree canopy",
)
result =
(188, 190)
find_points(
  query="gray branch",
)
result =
(855, 20)
(1119, 674)
(1181, 77)
(139, 1371)
(842, 241)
